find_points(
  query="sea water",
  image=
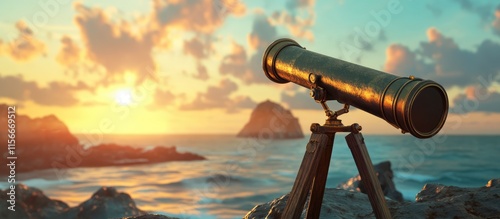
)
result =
(241, 173)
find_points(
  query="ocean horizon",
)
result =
(240, 173)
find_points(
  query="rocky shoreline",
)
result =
(433, 201)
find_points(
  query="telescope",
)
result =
(414, 105)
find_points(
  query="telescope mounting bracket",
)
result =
(319, 94)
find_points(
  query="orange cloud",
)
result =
(25, 46)
(399, 59)
(235, 62)
(300, 3)
(201, 72)
(433, 35)
(202, 16)
(218, 96)
(69, 54)
(263, 32)
(470, 92)
(55, 94)
(119, 47)
(442, 60)
(496, 22)
(114, 46)
(198, 48)
(297, 26)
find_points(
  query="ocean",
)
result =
(241, 173)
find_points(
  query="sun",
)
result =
(123, 97)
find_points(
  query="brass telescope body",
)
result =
(411, 104)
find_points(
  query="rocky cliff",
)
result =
(42, 143)
(271, 121)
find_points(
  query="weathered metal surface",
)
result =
(414, 105)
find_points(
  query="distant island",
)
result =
(43, 143)
(273, 121)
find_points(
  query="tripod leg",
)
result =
(368, 176)
(318, 188)
(303, 181)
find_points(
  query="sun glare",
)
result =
(123, 97)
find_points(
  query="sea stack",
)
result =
(273, 121)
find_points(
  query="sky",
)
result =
(194, 66)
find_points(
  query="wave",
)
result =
(403, 176)
(40, 183)
(214, 180)
(422, 178)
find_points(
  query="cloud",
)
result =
(69, 54)
(118, 46)
(202, 16)
(262, 34)
(219, 97)
(299, 18)
(55, 94)
(25, 46)
(114, 46)
(237, 63)
(198, 48)
(482, 11)
(297, 26)
(294, 4)
(477, 100)
(435, 10)
(163, 98)
(201, 72)
(496, 21)
(442, 60)
(399, 59)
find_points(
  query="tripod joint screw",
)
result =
(315, 127)
(356, 128)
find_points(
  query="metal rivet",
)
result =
(312, 78)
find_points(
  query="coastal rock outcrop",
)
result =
(32, 203)
(117, 155)
(37, 142)
(385, 176)
(271, 121)
(42, 143)
(434, 201)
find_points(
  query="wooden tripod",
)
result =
(313, 171)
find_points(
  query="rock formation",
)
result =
(38, 141)
(32, 203)
(271, 120)
(385, 175)
(46, 142)
(434, 201)
(116, 155)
